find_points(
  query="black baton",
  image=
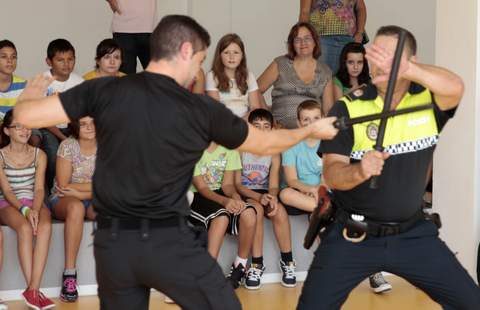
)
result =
(388, 99)
(343, 123)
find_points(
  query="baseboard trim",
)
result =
(91, 289)
(51, 292)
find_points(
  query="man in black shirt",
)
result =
(396, 236)
(151, 131)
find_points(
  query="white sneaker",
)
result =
(379, 284)
(3, 306)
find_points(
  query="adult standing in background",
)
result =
(337, 22)
(132, 24)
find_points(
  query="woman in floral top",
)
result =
(337, 22)
(71, 198)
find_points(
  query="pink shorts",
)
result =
(23, 201)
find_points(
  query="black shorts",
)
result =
(204, 210)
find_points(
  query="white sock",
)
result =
(239, 260)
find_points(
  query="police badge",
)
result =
(372, 131)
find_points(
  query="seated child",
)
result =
(258, 181)
(219, 208)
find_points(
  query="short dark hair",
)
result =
(106, 46)
(342, 73)
(293, 34)
(7, 43)
(174, 30)
(308, 105)
(394, 31)
(59, 46)
(260, 114)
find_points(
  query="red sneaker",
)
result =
(32, 299)
(46, 302)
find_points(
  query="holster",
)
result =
(321, 217)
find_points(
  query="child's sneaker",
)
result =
(236, 275)
(69, 288)
(254, 276)
(3, 306)
(379, 284)
(32, 299)
(46, 302)
(288, 273)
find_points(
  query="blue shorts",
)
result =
(87, 203)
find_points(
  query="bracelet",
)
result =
(24, 210)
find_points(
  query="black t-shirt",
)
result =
(150, 133)
(402, 182)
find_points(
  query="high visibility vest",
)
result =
(404, 133)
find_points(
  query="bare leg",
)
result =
(72, 211)
(42, 244)
(14, 219)
(257, 248)
(297, 199)
(216, 233)
(247, 232)
(281, 228)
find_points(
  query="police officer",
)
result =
(398, 239)
(151, 131)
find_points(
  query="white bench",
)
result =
(12, 282)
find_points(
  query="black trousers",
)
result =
(133, 45)
(172, 260)
(418, 256)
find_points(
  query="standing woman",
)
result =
(353, 70)
(230, 82)
(71, 199)
(298, 76)
(107, 61)
(22, 179)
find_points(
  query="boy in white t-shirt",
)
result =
(61, 60)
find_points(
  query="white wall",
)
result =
(263, 25)
(456, 164)
(418, 16)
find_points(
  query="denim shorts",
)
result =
(52, 201)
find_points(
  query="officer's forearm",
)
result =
(444, 84)
(343, 176)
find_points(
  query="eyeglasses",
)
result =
(17, 127)
(299, 40)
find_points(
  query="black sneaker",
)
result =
(236, 275)
(254, 276)
(379, 284)
(288, 273)
(69, 288)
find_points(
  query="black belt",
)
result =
(381, 229)
(137, 223)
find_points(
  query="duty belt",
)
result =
(356, 227)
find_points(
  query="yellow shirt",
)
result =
(93, 75)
